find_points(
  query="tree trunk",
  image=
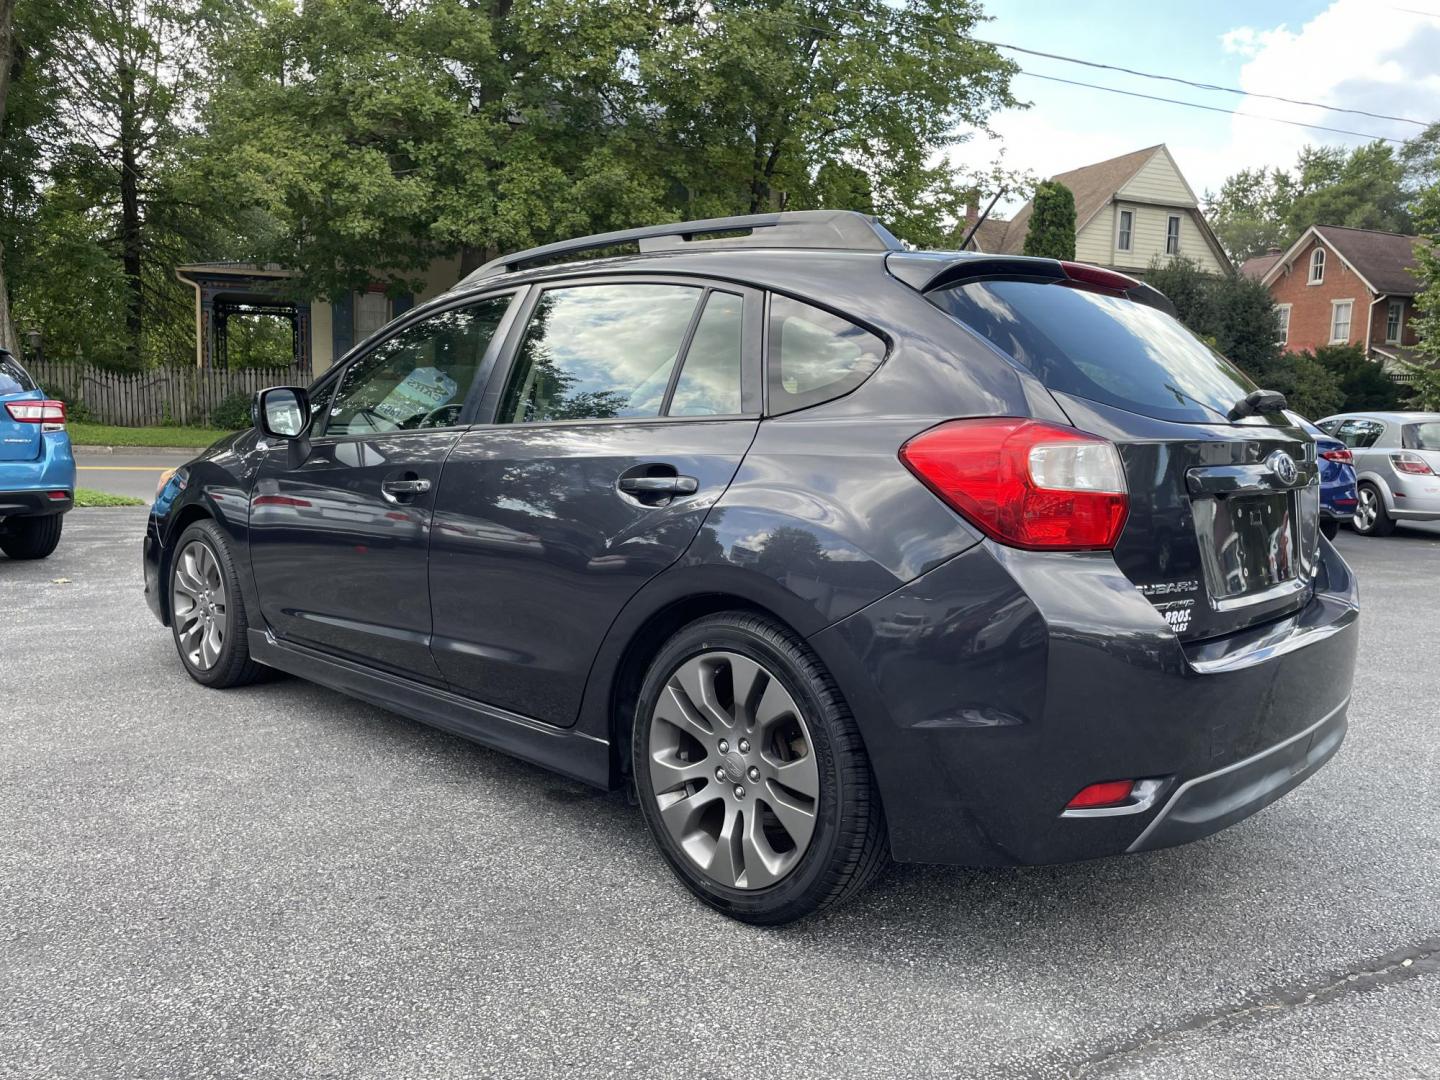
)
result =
(131, 245)
(9, 338)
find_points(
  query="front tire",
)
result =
(207, 611)
(1371, 517)
(31, 537)
(751, 773)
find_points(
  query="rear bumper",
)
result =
(994, 688)
(35, 503)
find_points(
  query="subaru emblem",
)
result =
(1283, 466)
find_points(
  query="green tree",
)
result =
(1363, 188)
(1234, 313)
(1051, 233)
(1427, 302)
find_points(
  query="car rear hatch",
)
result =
(1420, 448)
(1223, 522)
(19, 441)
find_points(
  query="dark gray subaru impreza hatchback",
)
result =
(830, 548)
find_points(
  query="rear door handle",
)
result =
(658, 485)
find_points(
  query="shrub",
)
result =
(232, 413)
(1363, 383)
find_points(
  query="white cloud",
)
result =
(1350, 55)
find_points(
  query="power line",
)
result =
(1203, 85)
(1211, 108)
(832, 32)
(898, 15)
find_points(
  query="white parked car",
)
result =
(1397, 466)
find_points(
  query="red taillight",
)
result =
(49, 413)
(1108, 793)
(1411, 463)
(1343, 455)
(1025, 483)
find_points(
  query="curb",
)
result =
(83, 451)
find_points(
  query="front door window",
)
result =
(419, 377)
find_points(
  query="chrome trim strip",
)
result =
(1251, 760)
(1275, 592)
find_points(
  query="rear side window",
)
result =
(709, 383)
(815, 356)
(14, 379)
(1103, 348)
(593, 352)
(1360, 434)
(1424, 436)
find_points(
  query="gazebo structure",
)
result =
(228, 290)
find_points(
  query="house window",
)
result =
(1282, 320)
(1125, 234)
(1172, 235)
(1394, 321)
(1340, 321)
(1317, 266)
(372, 311)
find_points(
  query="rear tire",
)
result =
(1371, 517)
(207, 611)
(31, 537)
(786, 819)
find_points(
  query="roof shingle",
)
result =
(1385, 260)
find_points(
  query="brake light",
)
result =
(1108, 793)
(1412, 463)
(1343, 455)
(49, 413)
(1025, 483)
(1084, 274)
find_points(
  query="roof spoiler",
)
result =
(926, 271)
(841, 230)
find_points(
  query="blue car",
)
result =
(1337, 481)
(37, 470)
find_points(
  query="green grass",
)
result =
(82, 434)
(86, 497)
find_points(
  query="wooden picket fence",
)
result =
(170, 395)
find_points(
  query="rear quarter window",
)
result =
(1425, 436)
(14, 379)
(815, 356)
(1100, 347)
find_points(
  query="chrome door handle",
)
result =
(405, 487)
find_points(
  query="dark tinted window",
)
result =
(419, 377)
(14, 379)
(709, 383)
(1424, 436)
(593, 352)
(1101, 347)
(815, 356)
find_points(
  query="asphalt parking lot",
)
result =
(281, 882)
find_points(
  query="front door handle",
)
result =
(404, 488)
(658, 485)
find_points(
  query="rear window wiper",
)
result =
(1257, 402)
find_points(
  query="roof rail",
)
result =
(845, 230)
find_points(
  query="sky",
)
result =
(1358, 54)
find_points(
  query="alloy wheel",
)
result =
(733, 769)
(1365, 510)
(198, 604)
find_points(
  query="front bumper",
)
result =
(994, 688)
(152, 555)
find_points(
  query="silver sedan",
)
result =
(1397, 466)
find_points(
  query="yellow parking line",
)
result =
(123, 468)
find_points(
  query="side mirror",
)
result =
(282, 412)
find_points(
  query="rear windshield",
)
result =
(1424, 436)
(1100, 347)
(13, 377)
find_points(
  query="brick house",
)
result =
(1339, 286)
